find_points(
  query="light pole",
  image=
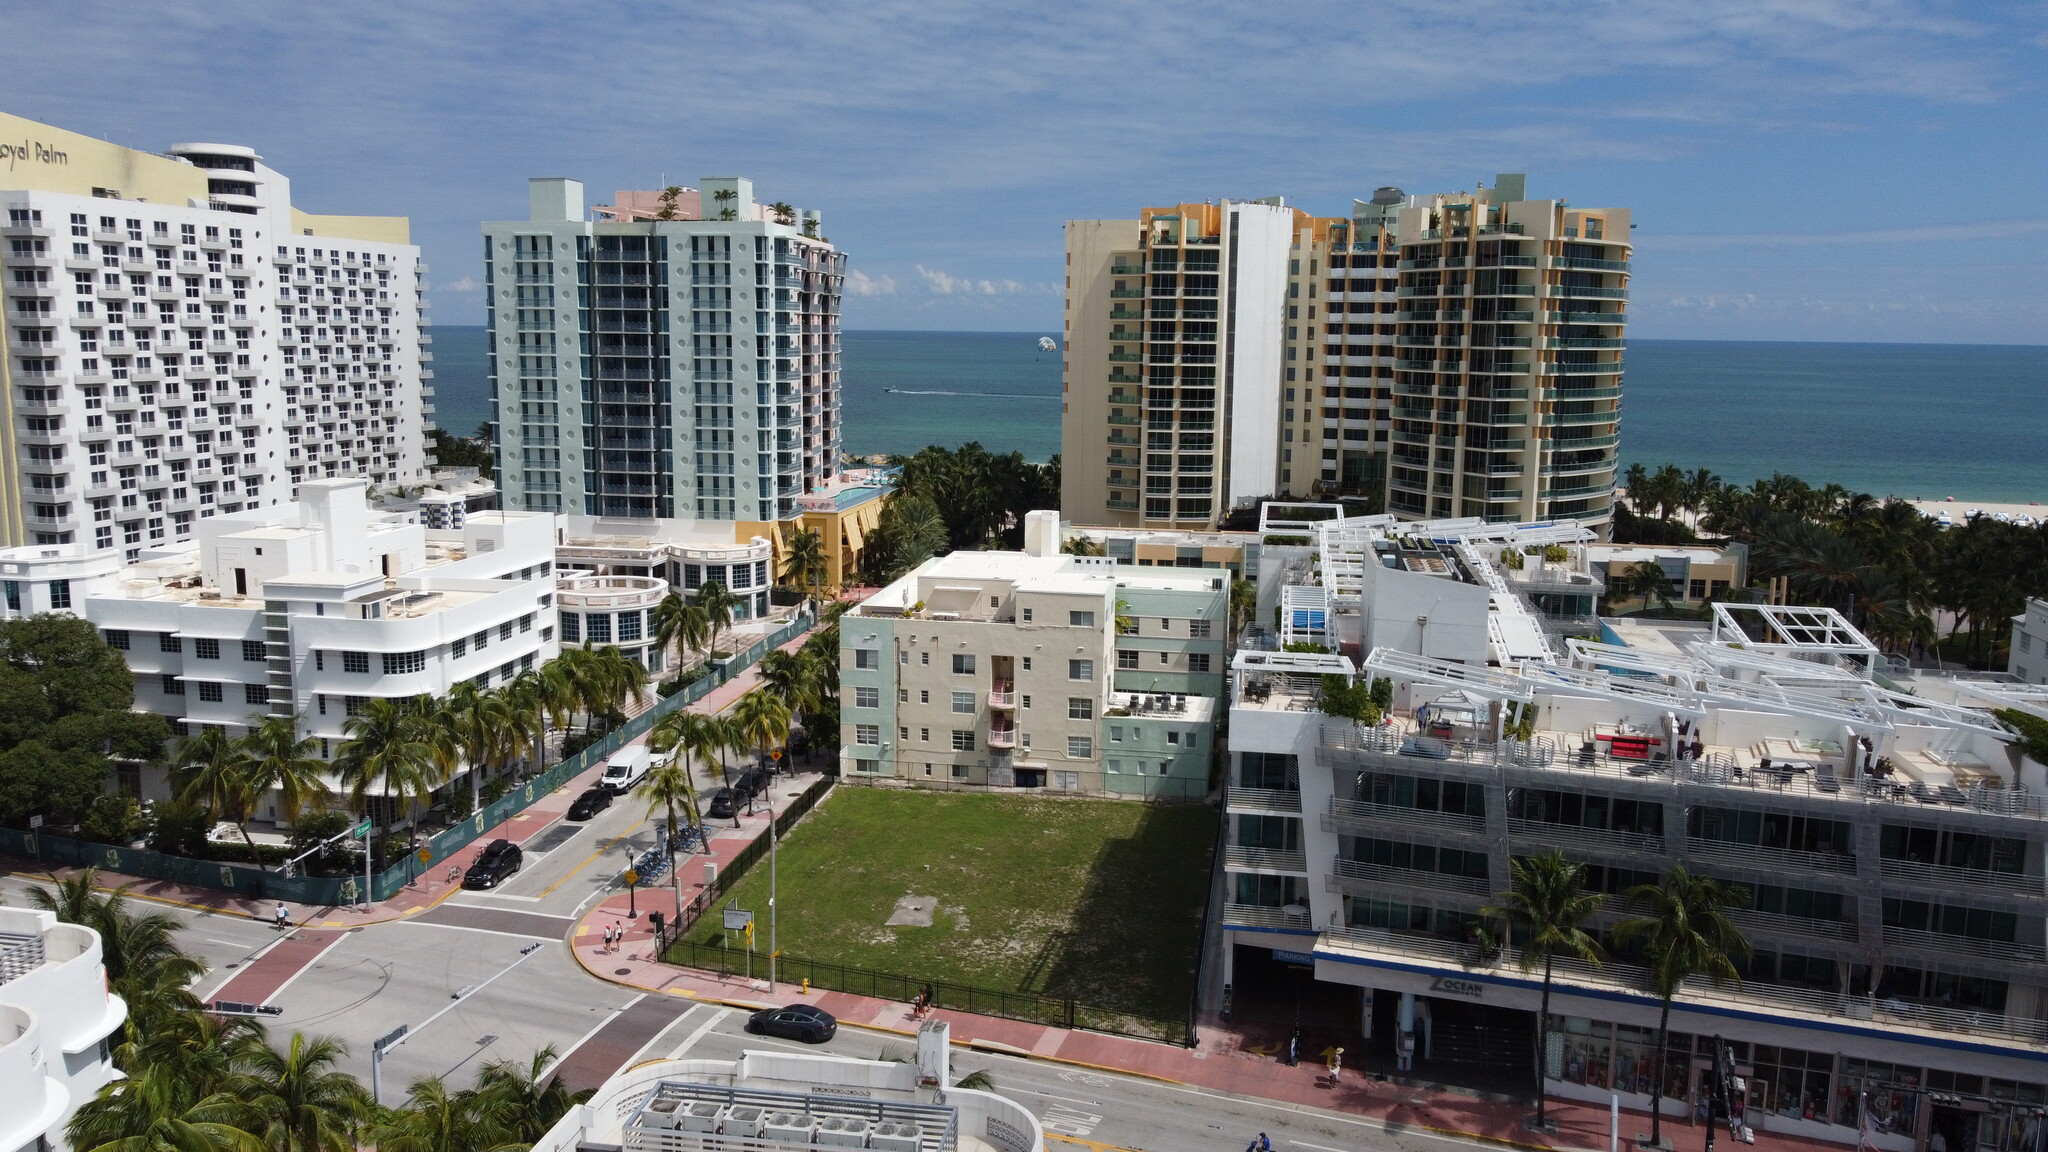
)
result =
(402, 1033)
(773, 952)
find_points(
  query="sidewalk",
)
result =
(437, 880)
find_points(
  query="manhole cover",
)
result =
(236, 964)
(622, 971)
(357, 928)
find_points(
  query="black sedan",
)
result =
(590, 803)
(494, 865)
(797, 1022)
(751, 783)
(721, 804)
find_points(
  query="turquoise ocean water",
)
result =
(1916, 420)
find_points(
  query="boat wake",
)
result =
(992, 395)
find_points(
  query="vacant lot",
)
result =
(1097, 900)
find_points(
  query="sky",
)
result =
(1844, 170)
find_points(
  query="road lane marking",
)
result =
(690, 1041)
(1057, 1096)
(549, 890)
(1069, 1121)
(467, 928)
(1318, 1147)
(641, 1054)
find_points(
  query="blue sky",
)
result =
(1798, 169)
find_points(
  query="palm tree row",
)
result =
(403, 748)
(202, 1083)
(1682, 931)
(1882, 563)
(949, 499)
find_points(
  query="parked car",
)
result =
(721, 804)
(804, 1022)
(750, 784)
(625, 768)
(494, 865)
(590, 803)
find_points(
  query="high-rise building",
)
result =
(180, 340)
(58, 1018)
(673, 355)
(1222, 353)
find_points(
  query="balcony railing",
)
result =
(1002, 737)
(1285, 800)
(1943, 877)
(1243, 858)
(1358, 876)
(1941, 943)
(1261, 916)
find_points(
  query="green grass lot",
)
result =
(1097, 900)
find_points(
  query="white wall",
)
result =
(1258, 292)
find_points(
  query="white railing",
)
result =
(1240, 857)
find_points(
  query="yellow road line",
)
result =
(1098, 1145)
(606, 847)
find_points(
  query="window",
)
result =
(1126, 658)
(526, 625)
(867, 658)
(1024, 701)
(869, 766)
(903, 695)
(357, 662)
(1027, 615)
(963, 739)
(117, 638)
(480, 641)
(963, 702)
(629, 625)
(401, 663)
(1198, 629)
(1080, 708)
(209, 691)
(1081, 619)
(172, 685)
(1198, 661)
(1080, 669)
(168, 642)
(1027, 663)
(1080, 747)
(255, 694)
(865, 697)
(1116, 734)
(925, 735)
(572, 628)
(460, 648)
(1165, 659)
(206, 648)
(867, 734)
(903, 732)
(505, 630)
(959, 771)
(254, 650)
(597, 628)
(60, 594)
(924, 658)
(963, 663)
(1068, 781)
(924, 696)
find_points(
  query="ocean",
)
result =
(1913, 420)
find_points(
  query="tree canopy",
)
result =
(65, 700)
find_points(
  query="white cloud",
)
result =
(947, 284)
(1988, 230)
(861, 284)
(466, 284)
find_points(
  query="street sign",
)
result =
(426, 855)
(775, 755)
(35, 822)
(386, 1041)
(632, 876)
(737, 919)
(362, 829)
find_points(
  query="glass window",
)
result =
(1080, 669)
(1126, 658)
(1080, 708)
(253, 650)
(206, 648)
(1081, 619)
(357, 662)
(867, 658)
(1080, 747)
(117, 638)
(597, 627)
(963, 663)
(209, 691)
(963, 740)
(866, 697)
(963, 702)
(572, 628)
(867, 733)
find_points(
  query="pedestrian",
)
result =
(607, 939)
(283, 916)
(618, 936)
(929, 996)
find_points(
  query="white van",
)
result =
(625, 769)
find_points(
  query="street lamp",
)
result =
(402, 1033)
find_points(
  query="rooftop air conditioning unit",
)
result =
(660, 1114)
(897, 1136)
(842, 1132)
(742, 1120)
(788, 1127)
(699, 1117)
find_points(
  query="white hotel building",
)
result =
(1893, 845)
(308, 609)
(57, 1025)
(178, 340)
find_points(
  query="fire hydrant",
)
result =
(807, 985)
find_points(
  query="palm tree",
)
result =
(1546, 907)
(667, 787)
(518, 1103)
(761, 721)
(130, 946)
(279, 758)
(1244, 601)
(299, 1101)
(1685, 932)
(1633, 478)
(434, 1119)
(677, 621)
(210, 1124)
(213, 773)
(619, 679)
(792, 677)
(784, 214)
(718, 604)
(1082, 546)
(1645, 580)
(693, 735)
(806, 561)
(384, 751)
(482, 724)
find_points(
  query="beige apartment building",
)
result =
(1036, 669)
(1455, 354)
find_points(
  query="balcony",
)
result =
(1246, 858)
(1941, 879)
(1941, 944)
(1002, 696)
(1573, 290)
(1361, 878)
(1275, 919)
(1126, 357)
(1127, 293)
(1004, 736)
(1280, 800)
(1117, 418)
(1591, 265)
(1116, 397)
(1363, 817)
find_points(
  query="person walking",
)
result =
(283, 916)
(607, 939)
(618, 936)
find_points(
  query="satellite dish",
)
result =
(1048, 344)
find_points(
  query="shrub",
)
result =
(177, 829)
(112, 820)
